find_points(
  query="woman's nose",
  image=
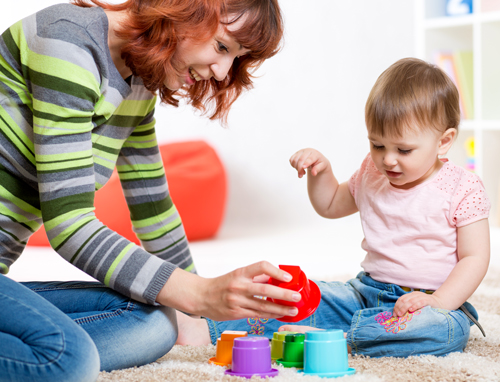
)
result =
(221, 67)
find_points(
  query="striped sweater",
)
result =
(67, 119)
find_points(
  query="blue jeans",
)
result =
(68, 331)
(362, 308)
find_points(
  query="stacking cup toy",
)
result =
(293, 351)
(224, 349)
(252, 356)
(311, 295)
(277, 344)
(325, 354)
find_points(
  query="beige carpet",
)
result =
(479, 362)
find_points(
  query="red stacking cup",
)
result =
(311, 295)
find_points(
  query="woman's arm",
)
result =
(231, 296)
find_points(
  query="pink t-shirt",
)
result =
(411, 235)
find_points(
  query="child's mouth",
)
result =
(393, 174)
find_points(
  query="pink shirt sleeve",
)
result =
(353, 181)
(469, 202)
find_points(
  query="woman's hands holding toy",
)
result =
(413, 301)
(231, 296)
(309, 158)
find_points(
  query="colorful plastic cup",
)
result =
(311, 295)
(224, 349)
(277, 344)
(293, 351)
(325, 354)
(252, 356)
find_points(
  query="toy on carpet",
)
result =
(293, 351)
(277, 345)
(325, 354)
(224, 347)
(311, 295)
(252, 356)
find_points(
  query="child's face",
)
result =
(411, 159)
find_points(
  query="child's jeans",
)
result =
(362, 308)
(67, 331)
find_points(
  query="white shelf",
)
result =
(480, 33)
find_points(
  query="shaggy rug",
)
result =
(479, 362)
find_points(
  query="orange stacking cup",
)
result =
(224, 349)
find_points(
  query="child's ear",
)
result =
(447, 140)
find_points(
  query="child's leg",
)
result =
(339, 301)
(376, 333)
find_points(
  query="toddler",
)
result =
(425, 223)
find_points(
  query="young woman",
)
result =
(78, 91)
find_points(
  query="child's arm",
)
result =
(473, 248)
(329, 198)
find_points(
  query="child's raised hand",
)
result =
(309, 158)
(413, 301)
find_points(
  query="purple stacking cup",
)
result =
(252, 356)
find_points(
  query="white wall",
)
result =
(312, 94)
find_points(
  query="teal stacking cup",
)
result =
(325, 354)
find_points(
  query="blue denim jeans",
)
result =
(362, 308)
(68, 331)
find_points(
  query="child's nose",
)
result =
(390, 159)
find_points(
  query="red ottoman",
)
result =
(197, 183)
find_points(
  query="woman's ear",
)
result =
(447, 140)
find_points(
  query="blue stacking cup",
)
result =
(325, 354)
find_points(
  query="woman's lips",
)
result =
(393, 174)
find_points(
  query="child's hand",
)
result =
(413, 301)
(309, 158)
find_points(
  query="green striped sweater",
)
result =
(67, 118)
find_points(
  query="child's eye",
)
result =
(377, 147)
(404, 152)
(222, 47)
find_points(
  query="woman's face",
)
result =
(202, 61)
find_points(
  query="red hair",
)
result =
(155, 27)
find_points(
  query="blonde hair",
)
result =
(412, 94)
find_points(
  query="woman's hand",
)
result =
(231, 296)
(413, 301)
(309, 158)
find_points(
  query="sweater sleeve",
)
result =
(68, 102)
(154, 217)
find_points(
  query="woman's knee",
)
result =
(142, 334)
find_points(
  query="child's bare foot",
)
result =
(192, 331)
(303, 329)
(296, 328)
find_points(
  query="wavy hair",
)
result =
(155, 27)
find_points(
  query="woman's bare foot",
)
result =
(192, 331)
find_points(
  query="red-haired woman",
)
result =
(78, 91)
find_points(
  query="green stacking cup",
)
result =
(293, 351)
(277, 345)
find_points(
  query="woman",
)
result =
(78, 96)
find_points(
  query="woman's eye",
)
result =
(222, 47)
(404, 152)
